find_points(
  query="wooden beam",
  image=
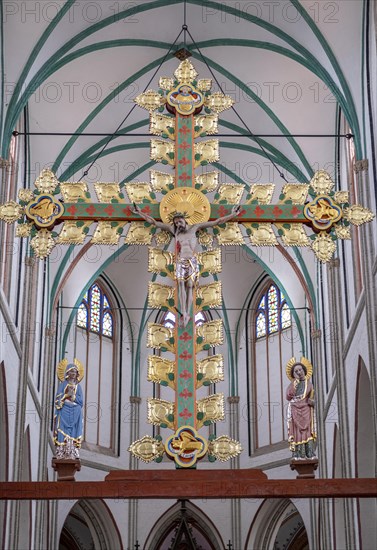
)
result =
(189, 484)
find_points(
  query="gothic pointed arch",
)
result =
(90, 524)
(169, 526)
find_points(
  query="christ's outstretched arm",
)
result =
(149, 219)
(235, 211)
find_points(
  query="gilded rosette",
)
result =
(295, 193)
(209, 334)
(224, 448)
(161, 413)
(210, 410)
(208, 296)
(206, 125)
(210, 370)
(147, 448)
(150, 100)
(72, 192)
(357, 215)
(321, 182)
(229, 235)
(161, 182)
(292, 234)
(73, 232)
(46, 182)
(139, 193)
(138, 233)
(11, 211)
(42, 243)
(210, 261)
(260, 193)
(106, 192)
(324, 247)
(219, 102)
(342, 232)
(163, 151)
(161, 296)
(230, 193)
(108, 233)
(206, 151)
(161, 371)
(207, 182)
(261, 234)
(166, 83)
(24, 229)
(185, 72)
(204, 84)
(162, 125)
(161, 261)
(342, 197)
(25, 195)
(160, 337)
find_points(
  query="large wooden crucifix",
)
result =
(171, 199)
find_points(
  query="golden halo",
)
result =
(190, 201)
(304, 361)
(61, 369)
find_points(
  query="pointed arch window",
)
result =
(94, 313)
(273, 313)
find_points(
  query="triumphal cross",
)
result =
(174, 210)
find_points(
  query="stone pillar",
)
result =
(369, 264)
(337, 345)
(25, 339)
(234, 429)
(133, 506)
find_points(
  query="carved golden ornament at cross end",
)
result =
(42, 243)
(224, 448)
(357, 214)
(150, 100)
(321, 182)
(147, 448)
(323, 246)
(11, 211)
(46, 182)
(44, 210)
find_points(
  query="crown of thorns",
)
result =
(174, 215)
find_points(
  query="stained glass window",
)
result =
(94, 312)
(273, 313)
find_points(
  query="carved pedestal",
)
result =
(66, 468)
(305, 467)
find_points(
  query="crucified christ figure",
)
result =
(187, 267)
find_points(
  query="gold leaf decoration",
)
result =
(159, 295)
(341, 197)
(207, 182)
(210, 261)
(210, 370)
(162, 150)
(294, 235)
(230, 192)
(207, 124)
(262, 193)
(147, 448)
(160, 260)
(138, 192)
(204, 84)
(158, 412)
(108, 233)
(166, 83)
(210, 295)
(42, 243)
(321, 182)
(138, 233)
(224, 448)
(212, 409)
(230, 234)
(25, 195)
(163, 237)
(106, 192)
(23, 230)
(74, 191)
(162, 124)
(160, 336)
(161, 370)
(295, 192)
(207, 151)
(342, 232)
(72, 233)
(304, 361)
(211, 334)
(150, 100)
(219, 102)
(11, 211)
(161, 181)
(324, 247)
(357, 214)
(205, 238)
(187, 200)
(185, 72)
(263, 235)
(46, 182)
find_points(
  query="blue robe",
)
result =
(68, 418)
